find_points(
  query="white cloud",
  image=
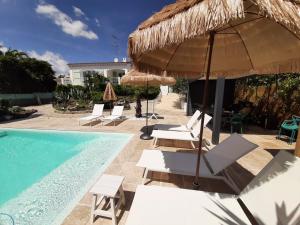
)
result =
(3, 48)
(59, 64)
(97, 21)
(76, 28)
(78, 12)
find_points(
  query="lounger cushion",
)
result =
(172, 162)
(218, 158)
(154, 205)
(173, 135)
(171, 127)
(98, 110)
(193, 119)
(117, 111)
(196, 129)
(228, 151)
(273, 196)
(175, 127)
(97, 113)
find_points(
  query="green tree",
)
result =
(94, 81)
(22, 74)
(181, 86)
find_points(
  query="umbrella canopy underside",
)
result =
(251, 37)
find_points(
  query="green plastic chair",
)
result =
(237, 121)
(291, 126)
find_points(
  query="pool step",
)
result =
(2, 134)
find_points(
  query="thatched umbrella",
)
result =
(196, 38)
(109, 93)
(136, 78)
(168, 81)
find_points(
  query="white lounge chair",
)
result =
(191, 136)
(212, 163)
(116, 114)
(272, 198)
(178, 127)
(96, 114)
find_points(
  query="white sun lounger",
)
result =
(272, 198)
(212, 163)
(96, 114)
(177, 127)
(191, 136)
(116, 114)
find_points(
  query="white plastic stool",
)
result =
(108, 188)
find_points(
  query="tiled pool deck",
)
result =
(124, 164)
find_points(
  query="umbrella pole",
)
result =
(146, 135)
(205, 98)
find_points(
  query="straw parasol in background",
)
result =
(109, 94)
(211, 38)
(136, 78)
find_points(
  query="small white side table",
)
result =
(108, 188)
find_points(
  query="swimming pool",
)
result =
(43, 173)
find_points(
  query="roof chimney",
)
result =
(116, 60)
(124, 59)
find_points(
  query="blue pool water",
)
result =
(42, 173)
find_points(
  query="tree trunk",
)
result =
(297, 150)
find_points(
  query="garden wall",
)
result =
(28, 99)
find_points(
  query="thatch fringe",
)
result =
(198, 19)
(205, 16)
(284, 12)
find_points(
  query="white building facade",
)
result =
(111, 70)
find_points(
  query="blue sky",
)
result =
(65, 31)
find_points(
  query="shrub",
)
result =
(94, 81)
(181, 86)
(71, 98)
(153, 92)
(16, 109)
(4, 105)
(78, 92)
(124, 90)
(97, 97)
